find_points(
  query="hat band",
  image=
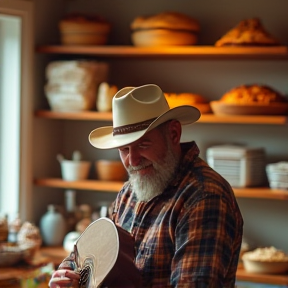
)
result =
(132, 127)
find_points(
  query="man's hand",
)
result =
(64, 278)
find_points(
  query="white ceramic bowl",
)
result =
(75, 170)
(265, 267)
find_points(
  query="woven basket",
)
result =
(84, 32)
(11, 255)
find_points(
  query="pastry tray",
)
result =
(220, 108)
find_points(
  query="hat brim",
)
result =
(102, 138)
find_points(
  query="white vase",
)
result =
(53, 227)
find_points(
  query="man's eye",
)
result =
(124, 150)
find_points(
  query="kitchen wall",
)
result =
(264, 219)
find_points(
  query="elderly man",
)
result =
(182, 215)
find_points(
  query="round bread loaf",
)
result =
(175, 99)
(191, 99)
(253, 95)
(164, 29)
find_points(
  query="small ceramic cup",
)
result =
(75, 170)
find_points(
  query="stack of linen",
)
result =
(72, 85)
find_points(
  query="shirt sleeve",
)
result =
(205, 244)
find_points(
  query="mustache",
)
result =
(143, 165)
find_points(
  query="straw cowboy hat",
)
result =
(136, 111)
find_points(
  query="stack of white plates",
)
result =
(241, 166)
(278, 175)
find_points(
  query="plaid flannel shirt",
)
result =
(191, 234)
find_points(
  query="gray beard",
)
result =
(147, 187)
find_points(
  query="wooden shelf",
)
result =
(114, 187)
(244, 119)
(85, 115)
(261, 192)
(205, 118)
(94, 185)
(242, 275)
(196, 52)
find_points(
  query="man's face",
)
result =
(139, 156)
(150, 162)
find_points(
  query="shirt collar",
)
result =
(190, 152)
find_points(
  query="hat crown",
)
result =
(133, 105)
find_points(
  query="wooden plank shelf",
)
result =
(261, 192)
(93, 185)
(242, 275)
(83, 115)
(205, 118)
(244, 119)
(114, 187)
(194, 52)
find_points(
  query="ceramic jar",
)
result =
(53, 227)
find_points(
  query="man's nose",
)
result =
(134, 157)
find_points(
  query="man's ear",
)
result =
(175, 130)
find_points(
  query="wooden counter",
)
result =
(57, 254)
(53, 254)
(11, 277)
(242, 275)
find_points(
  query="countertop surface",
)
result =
(55, 255)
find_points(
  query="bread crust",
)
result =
(166, 20)
(184, 99)
(195, 100)
(253, 95)
(249, 32)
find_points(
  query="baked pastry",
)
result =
(253, 95)
(165, 29)
(251, 100)
(78, 29)
(192, 99)
(248, 32)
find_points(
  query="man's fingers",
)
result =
(64, 278)
(58, 282)
(62, 273)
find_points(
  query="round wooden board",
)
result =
(220, 108)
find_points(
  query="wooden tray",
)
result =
(220, 108)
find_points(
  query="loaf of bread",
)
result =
(165, 29)
(253, 95)
(248, 32)
(175, 99)
(192, 99)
